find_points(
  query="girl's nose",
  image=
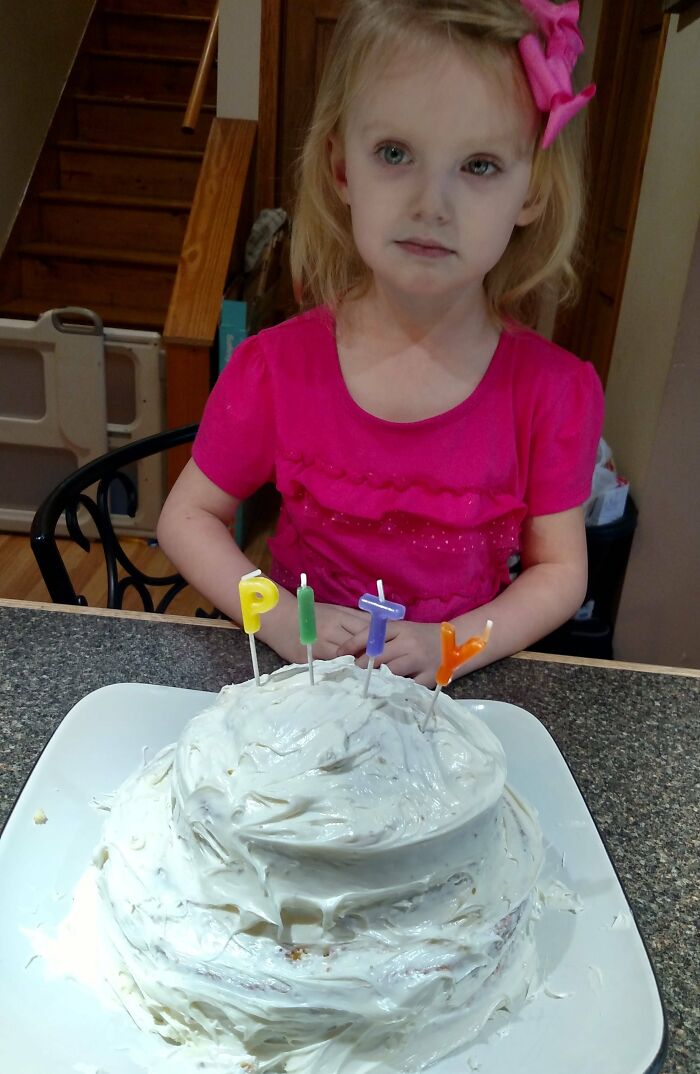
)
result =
(431, 200)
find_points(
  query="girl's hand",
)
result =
(411, 649)
(334, 627)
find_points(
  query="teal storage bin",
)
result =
(233, 328)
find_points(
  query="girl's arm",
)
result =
(193, 531)
(550, 589)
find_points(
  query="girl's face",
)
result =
(435, 165)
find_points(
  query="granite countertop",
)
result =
(631, 738)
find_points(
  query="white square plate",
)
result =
(600, 1008)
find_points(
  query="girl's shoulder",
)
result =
(297, 338)
(534, 361)
(532, 350)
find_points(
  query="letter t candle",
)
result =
(381, 611)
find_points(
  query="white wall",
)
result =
(239, 59)
(653, 391)
(38, 42)
(658, 619)
(662, 247)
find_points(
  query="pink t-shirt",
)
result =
(435, 507)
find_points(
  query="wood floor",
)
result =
(20, 578)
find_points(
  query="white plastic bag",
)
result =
(608, 490)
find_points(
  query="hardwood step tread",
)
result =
(142, 57)
(126, 316)
(114, 201)
(91, 253)
(138, 102)
(118, 149)
(161, 16)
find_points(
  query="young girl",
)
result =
(418, 433)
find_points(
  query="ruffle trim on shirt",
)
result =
(336, 587)
(341, 490)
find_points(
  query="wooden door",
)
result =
(628, 60)
(306, 34)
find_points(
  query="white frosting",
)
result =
(308, 882)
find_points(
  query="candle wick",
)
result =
(303, 579)
(380, 588)
(252, 574)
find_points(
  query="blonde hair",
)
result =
(325, 263)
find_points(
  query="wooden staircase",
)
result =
(106, 212)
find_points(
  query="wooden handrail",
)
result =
(218, 226)
(194, 105)
(220, 219)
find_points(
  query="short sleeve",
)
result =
(564, 440)
(235, 442)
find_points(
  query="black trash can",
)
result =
(608, 552)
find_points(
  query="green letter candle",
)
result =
(307, 621)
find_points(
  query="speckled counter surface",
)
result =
(631, 738)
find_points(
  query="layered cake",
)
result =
(310, 882)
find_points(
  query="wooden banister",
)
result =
(194, 105)
(218, 226)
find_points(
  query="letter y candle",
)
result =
(454, 656)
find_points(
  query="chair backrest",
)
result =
(75, 499)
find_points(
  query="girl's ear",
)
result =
(534, 204)
(337, 161)
(531, 210)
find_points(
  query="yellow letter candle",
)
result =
(257, 595)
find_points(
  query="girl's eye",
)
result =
(392, 154)
(481, 167)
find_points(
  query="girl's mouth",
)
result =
(420, 248)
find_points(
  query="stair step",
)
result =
(108, 168)
(112, 201)
(185, 7)
(151, 320)
(142, 75)
(62, 252)
(93, 277)
(113, 220)
(176, 34)
(139, 123)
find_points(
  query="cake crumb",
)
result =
(40, 817)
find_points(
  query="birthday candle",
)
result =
(453, 656)
(382, 612)
(307, 621)
(257, 596)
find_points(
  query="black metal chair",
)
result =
(107, 473)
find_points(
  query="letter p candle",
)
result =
(257, 595)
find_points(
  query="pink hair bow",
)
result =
(549, 72)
